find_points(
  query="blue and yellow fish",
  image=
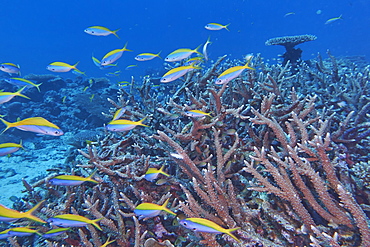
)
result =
(216, 26)
(205, 46)
(114, 74)
(10, 68)
(101, 31)
(176, 73)
(152, 173)
(118, 114)
(21, 82)
(197, 113)
(73, 220)
(35, 124)
(113, 56)
(331, 20)
(55, 232)
(146, 210)
(98, 64)
(9, 148)
(71, 180)
(147, 56)
(181, 54)
(232, 73)
(204, 225)
(124, 124)
(22, 231)
(7, 96)
(62, 67)
(10, 215)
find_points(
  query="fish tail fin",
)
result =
(8, 125)
(19, 93)
(94, 223)
(209, 40)
(75, 65)
(227, 26)
(194, 66)
(163, 172)
(140, 122)
(247, 67)
(79, 71)
(38, 86)
(115, 33)
(21, 144)
(124, 48)
(158, 54)
(228, 232)
(247, 64)
(196, 50)
(164, 207)
(29, 215)
(91, 175)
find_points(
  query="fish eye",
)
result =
(163, 79)
(194, 229)
(184, 223)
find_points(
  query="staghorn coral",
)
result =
(270, 160)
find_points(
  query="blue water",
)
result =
(36, 33)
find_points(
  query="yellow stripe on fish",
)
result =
(232, 73)
(176, 73)
(35, 124)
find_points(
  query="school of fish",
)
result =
(42, 126)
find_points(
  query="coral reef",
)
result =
(279, 157)
(293, 55)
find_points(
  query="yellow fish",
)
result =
(124, 124)
(176, 73)
(232, 73)
(73, 220)
(152, 173)
(62, 67)
(9, 148)
(147, 56)
(197, 113)
(71, 180)
(216, 26)
(181, 54)
(113, 56)
(35, 124)
(334, 19)
(204, 225)
(7, 96)
(10, 215)
(100, 31)
(151, 210)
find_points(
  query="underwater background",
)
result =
(276, 156)
(38, 33)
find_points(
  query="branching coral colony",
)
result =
(274, 158)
